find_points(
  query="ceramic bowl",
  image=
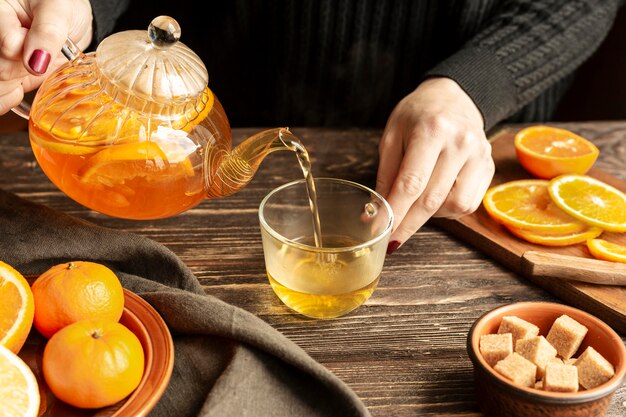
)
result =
(146, 323)
(497, 396)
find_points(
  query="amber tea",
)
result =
(114, 159)
(103, 156)
(336, 277)
(132, 130)
(323, 285)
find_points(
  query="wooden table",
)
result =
(403, 352)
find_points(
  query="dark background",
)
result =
(598, 91)
(599, 88)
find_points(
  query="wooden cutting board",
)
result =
(551, 268)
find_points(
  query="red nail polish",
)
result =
(392, 246)
(39, 61)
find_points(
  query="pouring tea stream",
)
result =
(132, 130)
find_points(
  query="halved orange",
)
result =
(590, 200)
(556, 239)
(17, 308)
(19, 392)
(547, 152)
(605, 250)
(526, 204)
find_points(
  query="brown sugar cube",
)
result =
(519, 328)
(566, 335)
(593, 369)
(518, 369)
(560, 378)
(495, 347)
(538, 351)
(539, 384)
(560, 361)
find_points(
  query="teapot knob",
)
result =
(164, 31)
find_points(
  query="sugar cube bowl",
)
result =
(536, 359)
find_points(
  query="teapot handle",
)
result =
(70, 50)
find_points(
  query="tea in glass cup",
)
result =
(337, 273)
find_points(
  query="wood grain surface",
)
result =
(403, 352)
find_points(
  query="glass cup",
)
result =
(336, 278)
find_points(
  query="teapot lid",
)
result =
(153, 66)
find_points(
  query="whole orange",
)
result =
(75, 291)
(93, 363)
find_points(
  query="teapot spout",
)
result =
(236, 169)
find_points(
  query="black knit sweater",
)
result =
(348, 62)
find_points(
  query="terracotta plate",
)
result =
(143, 320)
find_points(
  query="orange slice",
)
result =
(556, 239)
(17, 308)
(526, 204)
(43, 140)
(547, 152)
(85, 128)
(208, 99)
(590, 200)
(605, 250)
(88, 123)
(19, 392)
(117, 164)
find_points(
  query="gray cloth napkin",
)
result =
(228, 362)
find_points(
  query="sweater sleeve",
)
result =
(526, 47)
(105, 14)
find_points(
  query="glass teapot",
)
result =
(133, 130)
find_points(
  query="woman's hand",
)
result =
(435, 159)
(32, 33)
